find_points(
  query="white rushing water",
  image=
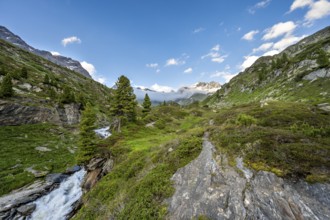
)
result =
(58, 203)
(103, 132)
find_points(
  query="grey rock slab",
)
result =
(23, 195)
(27, 209)
(209, 187)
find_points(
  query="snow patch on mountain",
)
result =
(186, 92)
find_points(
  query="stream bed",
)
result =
(59, 202)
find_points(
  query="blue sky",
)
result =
(163, 44)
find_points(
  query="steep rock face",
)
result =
(210, 187)
(67, 62)
(14, 113)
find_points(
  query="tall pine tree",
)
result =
(86, 144)
(124, 103)
(146, 105)
(6, 87)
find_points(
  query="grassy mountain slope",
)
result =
(146, 156)
(38, 93)
(299, 73)
(276, 113)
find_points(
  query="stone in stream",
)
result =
(27, 209)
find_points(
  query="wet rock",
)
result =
(24, 195)
(72, 170)
(56, 178)
(91, 179)
(95, 163)
(97, 168)
(27, 209)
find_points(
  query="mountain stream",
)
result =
(60, 202)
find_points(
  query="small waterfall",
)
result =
(58, 203)
(103, 132)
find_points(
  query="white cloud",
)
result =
(54, 53)
(216, 48)
(174, 62)
(286, 41)
(189, 70)
(198, 30)
(300, 4)
(177, 61)
(157, 70)
(261, 4)
(279, 29)
(318, 10)
(152, 65)
(89, 67)
(250, 35)
(248, 61)
(225, 75)
(215, 55)
(159, 88)
(101, 80)
(271, 53)
(70, 40)
(263, 47)
(92, 71)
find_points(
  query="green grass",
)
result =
(17, 150)
(145, 160)
(289, 139)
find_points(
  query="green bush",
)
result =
(245, 120)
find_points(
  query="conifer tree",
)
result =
(46, 79)
(146, 105)
(67, 96)
(322, 59)
(6, 87)
(86, 144)
(124, 103)
(24, 73)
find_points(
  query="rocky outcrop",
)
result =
(320, 73)
(209, 187)
(18, 203)
(96, 169)
(18, 113)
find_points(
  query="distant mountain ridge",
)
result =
(185, 95)
(67, 62)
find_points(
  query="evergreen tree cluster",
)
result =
(6, 87)
(124, 102)
(86, 143)
(146, 105)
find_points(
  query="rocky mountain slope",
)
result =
(185, 95)
(38, 122)
(67, 62)
(40, 96)
(299, 73)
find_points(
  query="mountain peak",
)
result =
(67, 62)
